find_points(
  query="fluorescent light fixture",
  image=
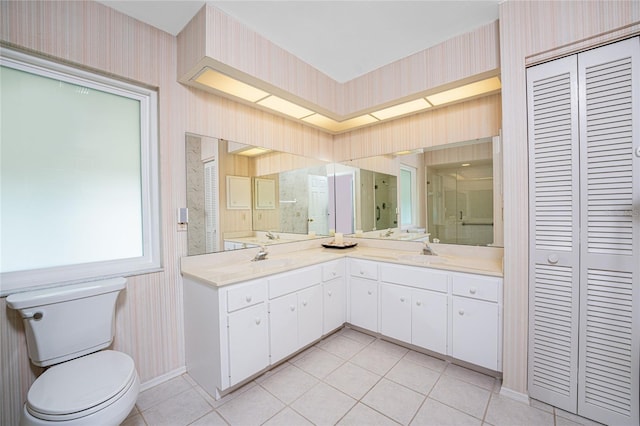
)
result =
(336, 126)
(253, 152)
(229, 85)
(401, 109)
(466, 91)
(409, 152)
(285, 107)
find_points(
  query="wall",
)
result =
(532, 30)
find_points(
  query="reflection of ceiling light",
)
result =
(337, 126)
(465, 164)
(409, 152)
(253, 152)
(230, 85)
(466, 91)
(285, 107)
(401, 109)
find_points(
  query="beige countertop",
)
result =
(219, 269)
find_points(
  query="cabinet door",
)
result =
(283, 326)
(475, 332)
(309, 315)
(248, 342)
(395, 311)
(363, 303)
(334, 304)
(429, 320)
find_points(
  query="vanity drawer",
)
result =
(477, 287)
(363, 269)
(245, 295)
(423, 278)
(332, 270)
(289, 282)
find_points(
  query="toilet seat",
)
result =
(81, 387)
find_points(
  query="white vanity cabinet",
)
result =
(363, 294)
(414, 306)
(334, 295)
(226, 332)
(476, 320)
(295, 310)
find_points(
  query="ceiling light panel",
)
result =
(401, 109)
(466, 91)
(338, 126)
(229, 85)
(285, 107)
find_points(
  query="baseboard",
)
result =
(520, 397)
(163, 378)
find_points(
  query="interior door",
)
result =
(318, 206)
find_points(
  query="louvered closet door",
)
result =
(554, 232)
(609, 83)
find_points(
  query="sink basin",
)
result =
(424, 259)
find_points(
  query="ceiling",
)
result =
(343, 39)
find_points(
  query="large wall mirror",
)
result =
(242, 196)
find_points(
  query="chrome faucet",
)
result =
(270, 235)
(428, 250)
(388, 233)
(261, 255)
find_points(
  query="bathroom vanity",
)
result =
(244, 317)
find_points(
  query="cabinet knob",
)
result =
(419, 303)
(402, 299)
(334, 273)
(292, 308)
(304, 303)
(472, 290)
(461, 312)
(258, 320)
(248, 299)
(553, 259)
(361, 272)
(329, 293)
(369, 292)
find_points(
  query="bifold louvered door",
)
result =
(584, 316)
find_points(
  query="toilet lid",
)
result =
(80, 385)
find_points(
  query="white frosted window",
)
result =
(78, 176)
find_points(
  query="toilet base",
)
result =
(113, 414)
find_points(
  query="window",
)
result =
(78, 176)
(408, 195)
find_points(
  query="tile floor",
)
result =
(349, 378)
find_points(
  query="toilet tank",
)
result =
(67, 322)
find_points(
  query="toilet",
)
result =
(67, 329)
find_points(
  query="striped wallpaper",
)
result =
(149, 323)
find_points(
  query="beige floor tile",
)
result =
(461, 395)
(289, 383)
(253, 407)
(319, 363)
(358, 336)
(166, 390)
(414, 376)
(341, 346)
(361, 415)
(353, 380)
(288, 417)
(506, 411)
(541, 405)
(390, 348)
(211, 419)
(426, 361)
(470, 376)
(375, 360)
(323, 405)
(271, 372)
(434, 413)
(394, 401)
(178, 410)
(134, 420)
(228, 397)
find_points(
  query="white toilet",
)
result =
(66, 328)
